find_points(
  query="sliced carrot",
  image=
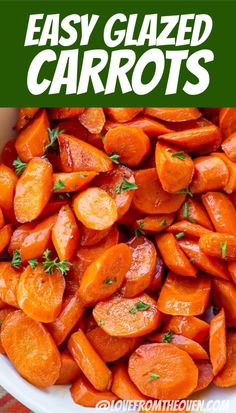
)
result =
(89, 361)
(184, 296)
(95, 208)
(150, 126)
(131, 144)
(33, 139)
(189, 228)
(65, 113)
(25, 115)
(221, 211)
(157, 276)
(205, 374)
(93, 119)
(31, 349)
(84, 394)
(8, 181)
(53, 206)
(207, 264)
(69, 371)
(191, 327)
(219, 245)
(154, 223)
(111, 348)
(88, 237)
(130, 217)
(77, 156)
(40, 294)
(210, 174)
(113, 182)
(224, 295)
(2, 222)
(150, 198)
(127, 317)
(18, 236)
(196, 213)
(87, 323)
(194, 349)
(140, 274)
(227, 376)
(3, 314)
(33, 188)
(72, 311)
(174, 114)
(9, 278)
(173, 256)
(217, 342)
(73, 181)
(9, 153)
(105, 275)
(175, 168)
(229, 147)
(123, 386)
(122, 114)
(73, 127)
(157, 378)
(5, 236)
(231, 184)
(65, 234)
(227, 121)
(34, 243)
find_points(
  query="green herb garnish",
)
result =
(167, 337)
(185, 210)
(184, 191)
(50, 265)
(114, 157)
(132, 310)
(53, 135)
(125, 185)
(101, 322)
(16, 259)
(153, 376)
(82, 175)
(141, 306)
(107, 281)
(223, 246)
(59, 185)
(180, 235)
(138, 231)
(179, 155)
(163, 222)
(33, 262)
(19, 165)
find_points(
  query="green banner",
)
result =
(117, 53)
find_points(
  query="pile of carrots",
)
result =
(118, 251)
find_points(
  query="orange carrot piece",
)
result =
(9, 278)
(33, 139)
(189, 228)
(2, 222)
(9, 153)
(5, 236)
(25, 115)
(65, 113)
(217, 342)
(227, 376)
(210, 174)
(93, 119)
(84, 394)
(157, 276)
(8, 181)
(73, 127)
(227, 121)
(219, 245)
(231, 184)
(53, 206)
(150, 126)
(3, 314)
(69, 371)
(89, 237)
(73, 181)
(65, 234)
(122, 114)
(154, 223)
(196, 213)
(229, 147)
(19, 235)
(205, 374)
(224, 295)
(191, 327)
(123, 386)
(221, 211)
(173, 114)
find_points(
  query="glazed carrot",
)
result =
(69, 371)
(130, 217)
(3, 314)
(150, 198)
(210, 174)
(53, 206)
(73, 127)
(9, 153)
(232, 270)
(95, 209)
(189, 228)
(221, 211)
(207, 264)
(131, 144)
(205, 374)
(194, 349)
(40, 294)
(150, 126)
(2, 222)
(123, 386)
(5, 236)
(93, 119)
(227, 121)
(96, 139)
(173, 256)
(9, 278)
(217, 342)
(229, 147)
(73, 181)
(8, 181)
(88, 237)
(25, 115)
(154, 223)
(141, 271)
(34, 138)
(33, 243)
(65, 113)
(127, 317)
(91, 364)
(122, 114)
(227, 376)
(224, 295)
(157, 276)
(31, 349)
(84, 394)
(33, 190)
(219, 245)
(111, 348)
(195, 212)
(77, 156)
(174, 167)
(120, 185)
(159, 379)
(231, 184)
(191, 327)
(65, 234)
(184, 296)
(173, 114)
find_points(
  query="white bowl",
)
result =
(57, 399)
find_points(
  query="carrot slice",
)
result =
(3, 314)
(69, 371)
(73, 127)
(93, 119)
(173, 256)
(189, 228)
(8, 181)
(88, 237)
(159, 379)
(191, 327)
(150, 198)
(18, 236)
(221, 211)
(141, 271)
(65, 113)
(122, 114)
(33, 188)
(25, 115)
(205, 374)
(194, 349)
(210, 174)
(224, 295)
(84, 394)
(89, 361)
(131, 144)
(111, 348)
(217, 343)
(9, 153)
(227, 121)
(227, 376)
(53, 206)
(9, 278)
(31, 349)
(175, 168)
(157, 276)
(73, 181)
(174, 114)
(154, 223)
(127, 317)
(65, 234)
(219, 245)
(95, 209)
(150, 126)
(105, 275)
(77, 156)
(196, 213)
(184, 296)
(123, 386)
(5, 236)
(231, 184)
(229, 147)
(40, 294)
(2, 222)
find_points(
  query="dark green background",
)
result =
(15, 58)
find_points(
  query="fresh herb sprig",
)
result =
(125, 185)
(19, 165)
(50, 265)
(53, 135)
(16, 259)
